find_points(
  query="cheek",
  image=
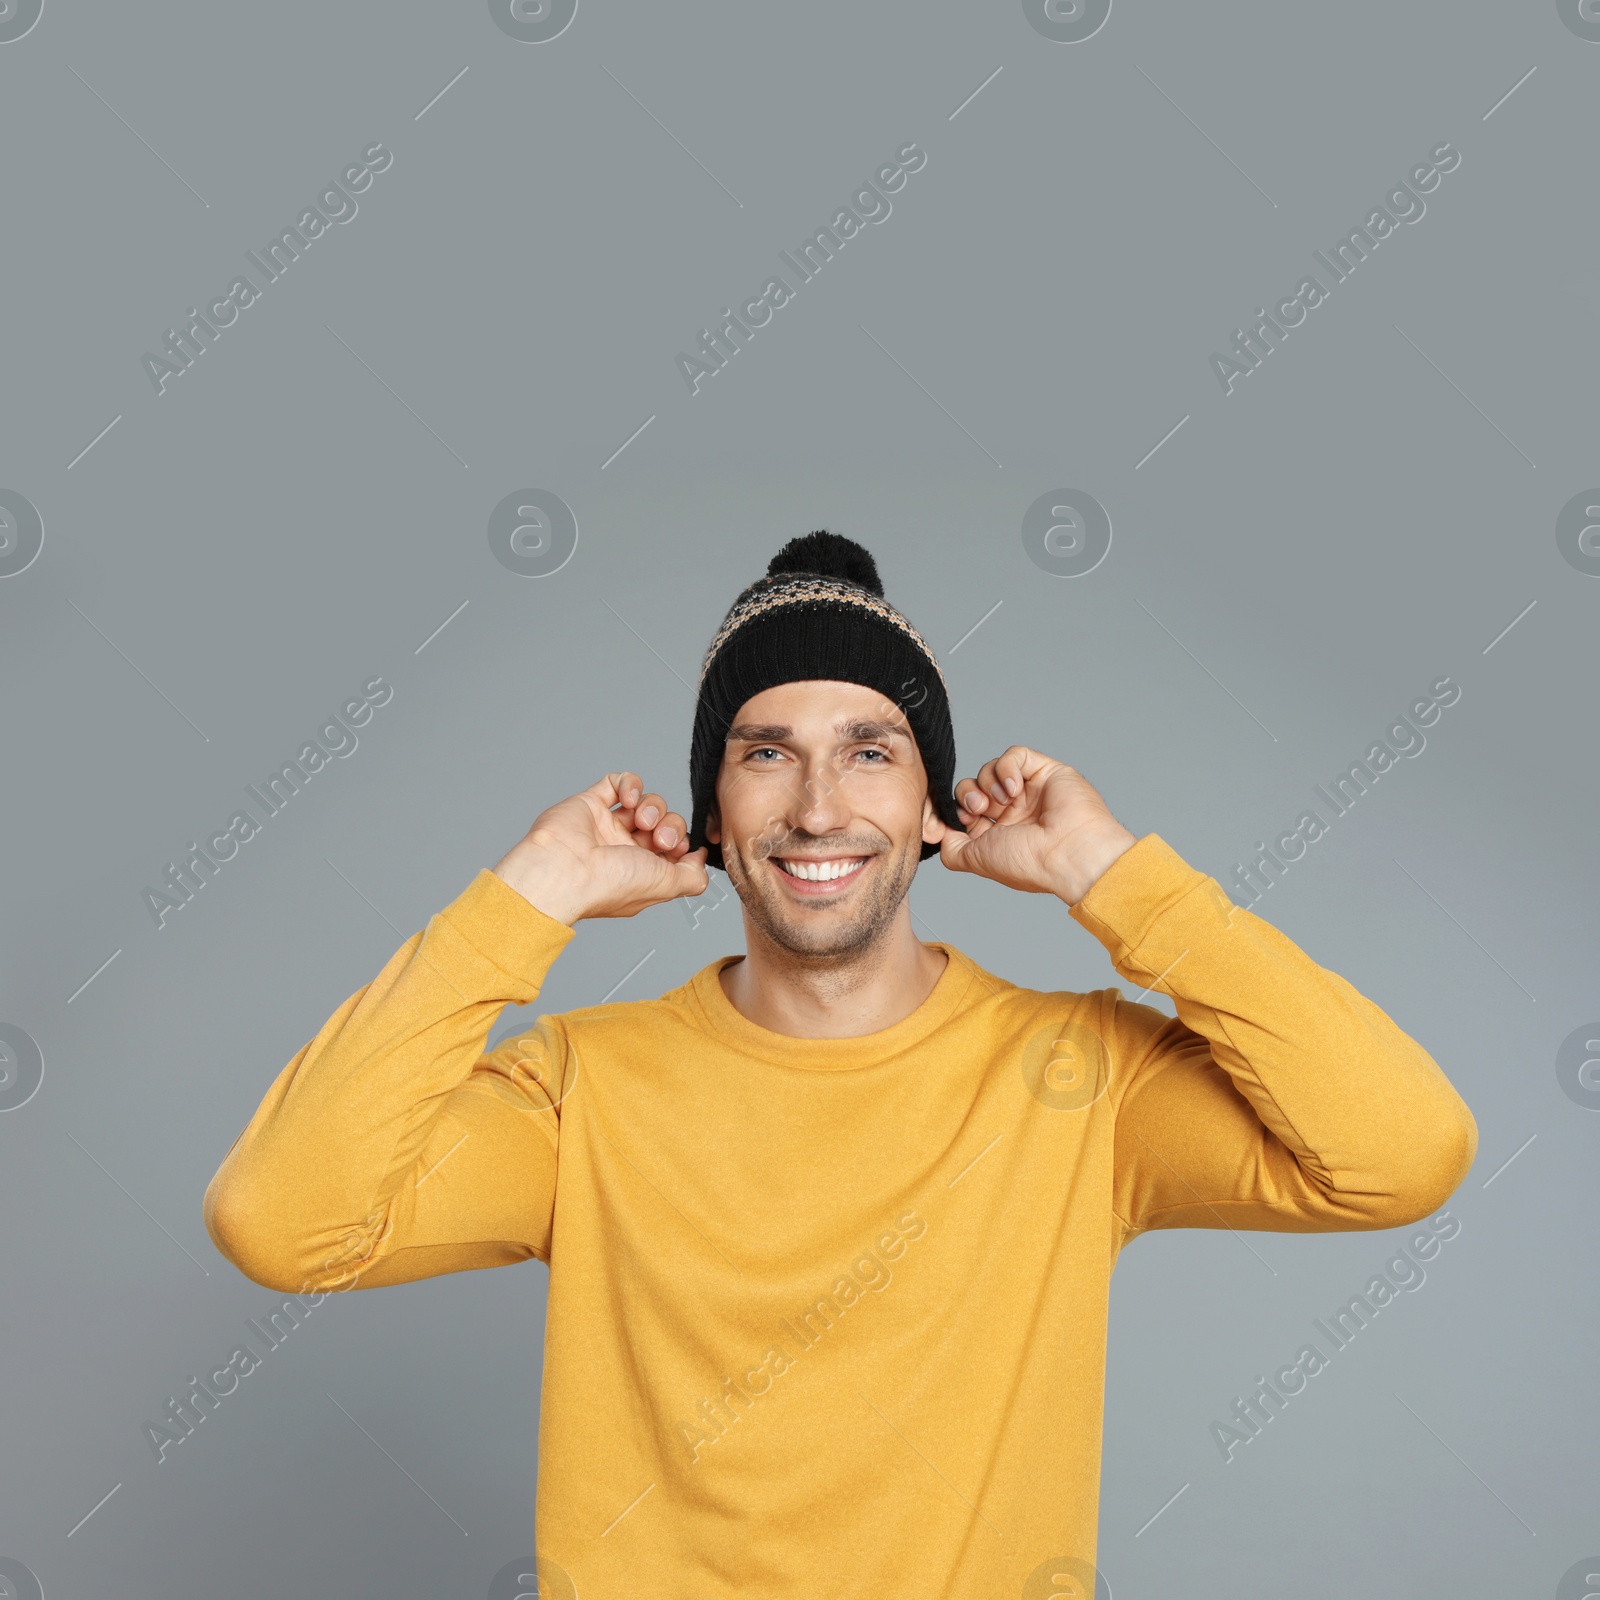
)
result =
(906, 795)
(750, 813)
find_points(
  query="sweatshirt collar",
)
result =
(728, 1023)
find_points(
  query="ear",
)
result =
(934, 827)
(713, 827)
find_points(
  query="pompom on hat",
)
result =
(818, 613)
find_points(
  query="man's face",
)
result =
(825, 778)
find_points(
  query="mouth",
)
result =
(815, 876)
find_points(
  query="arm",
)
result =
(1279, 1097)
(392, 1147)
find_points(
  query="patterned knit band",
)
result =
(791, 588)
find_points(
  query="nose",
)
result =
(817, 803)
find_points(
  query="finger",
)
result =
(679, 847)
(990, 783)
(649, 811)
(969, 796)
(969, 813)
(670, 832)
(1020, 763)
(620, 788)
(953, 852)
(1008, 770)
(628, 812)
(990, 794)
(691, 874)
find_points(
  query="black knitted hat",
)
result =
(818, 613)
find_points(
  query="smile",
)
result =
(811, 876)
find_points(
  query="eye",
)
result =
(762, 750)
(874, 750)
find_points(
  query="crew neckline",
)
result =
(731, 1025)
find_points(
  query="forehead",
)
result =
(815, 706)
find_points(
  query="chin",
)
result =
(826, 926)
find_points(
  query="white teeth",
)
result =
(819, 871)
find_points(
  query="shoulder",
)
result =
(998, 1000)
(628, 1021)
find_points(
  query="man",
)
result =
(830, 1228)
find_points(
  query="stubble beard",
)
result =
(822, 932)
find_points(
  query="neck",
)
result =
(836, 996)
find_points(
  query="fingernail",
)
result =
(1013, 785)
(668, 836)
(647, 815)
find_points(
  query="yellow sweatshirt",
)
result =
(829, 1315)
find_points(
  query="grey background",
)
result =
(304, 508)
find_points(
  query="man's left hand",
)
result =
(1035, 824)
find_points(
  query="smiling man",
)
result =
(831, 1226)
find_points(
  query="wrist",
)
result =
(537, 875)
(1088, 861)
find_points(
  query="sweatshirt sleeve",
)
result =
(1279, 1098)
(392, 1147)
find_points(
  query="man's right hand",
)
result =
(582, 858)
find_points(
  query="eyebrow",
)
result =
(849, 729)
